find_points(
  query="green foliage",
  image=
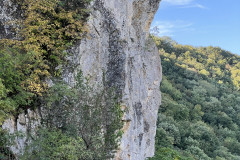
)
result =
(169, 154)
(6, 140)
(46, 30)
(168, 88)
(53, 144)
(200, 107)
(90, 116)
(6, 105)
(198, 153)
(12, 93)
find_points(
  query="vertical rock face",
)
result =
(118, 47)
(25, 123)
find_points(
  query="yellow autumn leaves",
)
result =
(45, 33)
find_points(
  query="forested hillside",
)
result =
(200, 113)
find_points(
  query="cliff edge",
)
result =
(117, 47)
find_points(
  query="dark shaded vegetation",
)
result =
(199, 115)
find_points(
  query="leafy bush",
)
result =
(54, 144)
(45, 31)
(169, 154)
(12, 93)
(86, 114)
(6, 140)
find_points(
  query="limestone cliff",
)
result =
(118, 47)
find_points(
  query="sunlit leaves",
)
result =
(200, 107)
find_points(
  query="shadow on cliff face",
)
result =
(115, 75)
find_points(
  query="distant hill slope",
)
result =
(200, 113)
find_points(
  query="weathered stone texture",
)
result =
(118, 47)
(9, 12)
(24, 124)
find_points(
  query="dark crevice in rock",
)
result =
(115, 75)
(2, 30)
(146, 126)
(130, 64)
(138, 111)
(140, 136)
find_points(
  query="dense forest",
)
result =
(200, 113)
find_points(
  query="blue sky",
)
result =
(201, 22)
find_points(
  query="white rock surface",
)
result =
(118, 45)
(24, 124)
(118, 48)
(8, 12)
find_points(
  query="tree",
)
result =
(92, 114)
(52, 143)
(169, 154)
(6, 104)
(200, 102)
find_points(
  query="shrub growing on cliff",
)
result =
(83, 113)
(6, 140)
(12, 93)
(54, 144)
(45, 31)
(5, 104)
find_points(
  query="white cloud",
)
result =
(169, 28)
(178, 2)
(185, 3)
(195, 6)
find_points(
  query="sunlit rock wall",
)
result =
(117, 47)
